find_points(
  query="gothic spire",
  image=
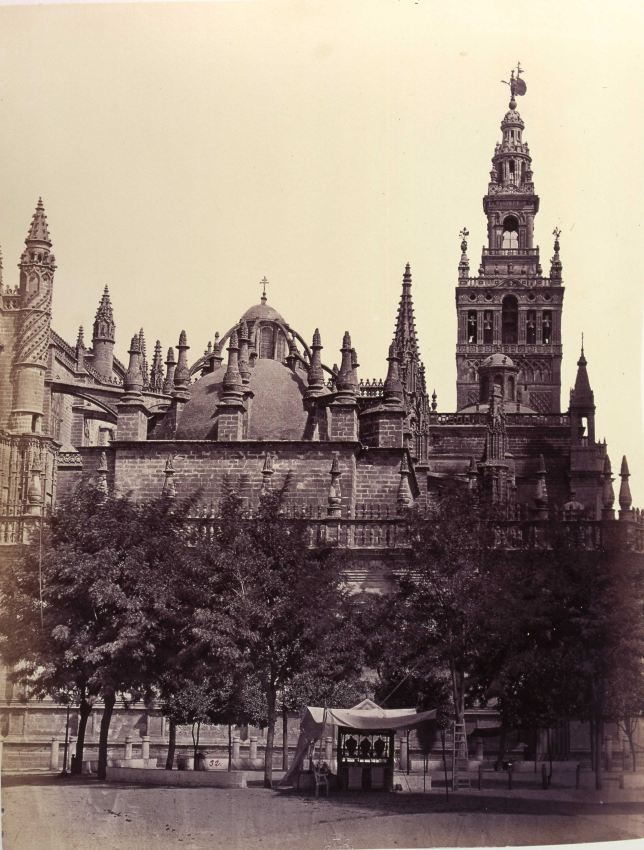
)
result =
(582, 395)
(39, 230)
(156, 374)
(405, 334)
(104, 311)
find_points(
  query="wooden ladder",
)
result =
(460, 758)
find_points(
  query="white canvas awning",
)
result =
(366, 715)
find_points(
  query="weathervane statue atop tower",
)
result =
(517, 85)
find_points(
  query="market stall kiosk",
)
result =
(365, 760)
(365, 744)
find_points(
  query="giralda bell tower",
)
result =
(510, 308)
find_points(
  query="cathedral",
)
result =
(260, 403)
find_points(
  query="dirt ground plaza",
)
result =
(44, 811)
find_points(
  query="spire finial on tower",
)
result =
(516, 84)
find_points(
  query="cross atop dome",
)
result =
(264, 283)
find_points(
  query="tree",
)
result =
(271, 596)
(108, 614)
(442, 604)
(578, 651)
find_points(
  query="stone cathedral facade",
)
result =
(262, 401)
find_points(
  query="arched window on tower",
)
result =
(510, 320)
(546, 327)
(511, 171)
(510, 233)
(266, 343)
(488, 328)
(531, 328)
(472, 326)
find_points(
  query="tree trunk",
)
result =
(598, 729)
(84, 711)
(271, 700)
(458, 693)
(631, 743)
(285, 738)
(230, 746)
(109, 698)
(195, 742)
(172, 743)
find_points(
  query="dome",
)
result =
(497, 359)
(512, 118)
(275, 410)
(262, 311)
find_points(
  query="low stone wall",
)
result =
(180, 778)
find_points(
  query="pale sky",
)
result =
(185, 151)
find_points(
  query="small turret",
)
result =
(133, 383)
(582, 405)
(625, 498)
(171, 365)
(156, 373)
(608, 493)
(132, 413)
(145, 369)
(80, 348)
(315, 377)
(37, 266)
(393, 389)
(103, 337)
(181, 390)
(244, 366)
(345, 380)
(555, 264)
(233, 389)
(464, 264)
